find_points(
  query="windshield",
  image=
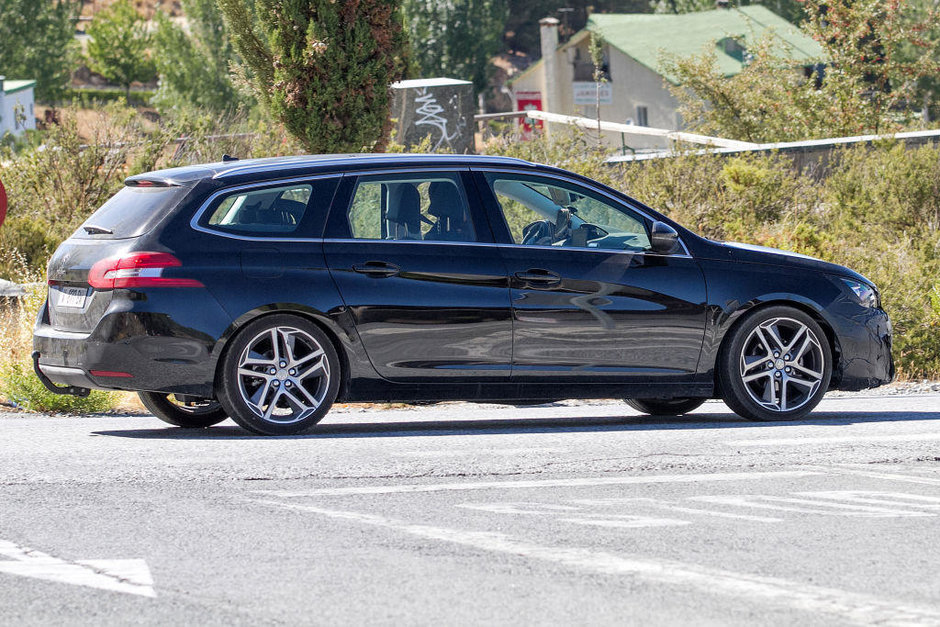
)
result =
(131, 212)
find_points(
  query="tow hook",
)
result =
(52, 387)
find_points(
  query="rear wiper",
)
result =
(91, 229)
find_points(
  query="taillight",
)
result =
(137, 270)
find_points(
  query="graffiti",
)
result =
(429, 113)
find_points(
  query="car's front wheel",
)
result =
(183, 411)
(775, 365)
(664, 406)
(279, 376)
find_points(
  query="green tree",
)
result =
(456, 39)
(37, 41)
(321, 67)
(194, 66)
(865, 86)
(119, 48)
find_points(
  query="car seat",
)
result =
(403, 212)
(446, 206)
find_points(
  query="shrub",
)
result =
(18, 383)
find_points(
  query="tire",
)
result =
(190, 414)
(664, 407)
(775, 365)
(279, 376)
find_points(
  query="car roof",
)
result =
(258, 169)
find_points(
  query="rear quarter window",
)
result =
(291, 210)
(131, 212)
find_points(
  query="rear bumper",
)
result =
(865, 343)
(127, 350)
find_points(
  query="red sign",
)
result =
(3, 203)
(527, 101)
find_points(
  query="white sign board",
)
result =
(586, 93)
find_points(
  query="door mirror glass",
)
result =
(664, 239)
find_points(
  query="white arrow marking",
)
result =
(128, 576)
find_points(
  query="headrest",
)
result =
(444, 200)
(404, 205)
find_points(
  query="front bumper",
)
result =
(864, 342)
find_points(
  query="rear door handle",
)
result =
(539, 276)
(377, 269)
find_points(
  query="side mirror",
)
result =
(663, 238)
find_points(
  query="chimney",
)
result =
(548, 30)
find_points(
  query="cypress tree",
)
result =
(322, 67)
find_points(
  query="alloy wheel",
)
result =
(782, 364)
(283, 375)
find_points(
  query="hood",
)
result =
(750, 253)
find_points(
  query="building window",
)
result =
(642, 116)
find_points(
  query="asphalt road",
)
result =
(455, 514)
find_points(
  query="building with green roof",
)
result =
(638, 90)
(16, 106)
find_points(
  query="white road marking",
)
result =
(129, 576)
(628, 522)
(808, 506)
(677, 508)
(889, 476)
(896, 499)
(519, 507)
(849, 606)
(492, 451)
(542, 483)
(847, 439)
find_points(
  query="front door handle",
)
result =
(538, 276)
(377, 269)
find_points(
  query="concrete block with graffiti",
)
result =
(441, 108)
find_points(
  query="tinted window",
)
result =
(268, 211)
(131, 212)
(431, 207)
(550, 212)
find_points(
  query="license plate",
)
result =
(72, 297)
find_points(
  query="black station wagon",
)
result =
(265, 290)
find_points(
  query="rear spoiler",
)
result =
(149, 182)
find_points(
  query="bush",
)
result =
(19, 385)
(18, 382)
(55, 186)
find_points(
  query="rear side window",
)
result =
(275, 210)
(131, 212)
(411, 207)
(294, 210)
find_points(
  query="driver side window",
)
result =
(549, 212)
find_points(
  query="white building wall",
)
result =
(633, 85)
(8, 107)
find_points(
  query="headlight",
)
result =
(866, 295)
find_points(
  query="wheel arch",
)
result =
(808, 308)
(330, 328)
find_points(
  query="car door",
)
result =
(414, 260)
(590, 300)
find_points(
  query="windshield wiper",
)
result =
(91, 229)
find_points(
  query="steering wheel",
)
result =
(538, 233)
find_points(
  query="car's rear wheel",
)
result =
(664, 406)
(775, 365)
(183, 411)
(279, 376)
